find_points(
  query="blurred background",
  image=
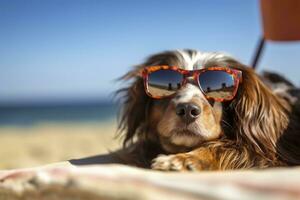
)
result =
(59, 61)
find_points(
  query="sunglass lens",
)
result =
(164, 83)
(217, 84)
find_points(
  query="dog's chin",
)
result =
(186, 137)
(180, 140)
(186, 133)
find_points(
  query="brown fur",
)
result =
(257, 128)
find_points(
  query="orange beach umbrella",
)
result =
(280, 21)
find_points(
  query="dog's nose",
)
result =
(188, 111)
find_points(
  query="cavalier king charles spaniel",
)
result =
(187, 110)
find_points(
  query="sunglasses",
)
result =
(216, 83)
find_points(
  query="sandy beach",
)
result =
(45, 143)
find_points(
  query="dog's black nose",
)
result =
(188, 111)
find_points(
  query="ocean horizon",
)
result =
(56, 112)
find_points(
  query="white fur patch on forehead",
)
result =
(187, 60)
(186, 93)
(192, 60)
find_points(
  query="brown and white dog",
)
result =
(259, 128)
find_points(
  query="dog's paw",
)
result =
(177, 162)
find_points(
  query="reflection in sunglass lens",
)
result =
(217, 84)
(163, 83)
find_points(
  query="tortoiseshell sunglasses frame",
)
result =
(236, 74)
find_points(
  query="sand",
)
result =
(29, 146)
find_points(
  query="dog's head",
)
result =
(187, 119)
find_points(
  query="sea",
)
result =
(31, 114)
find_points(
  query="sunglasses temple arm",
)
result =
(240, 77)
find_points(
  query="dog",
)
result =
(252, 122)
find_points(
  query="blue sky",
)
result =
(75, 49)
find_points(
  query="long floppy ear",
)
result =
(260, 116)
(134, 104)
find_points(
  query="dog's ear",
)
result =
(134, 103)
(260, 117)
